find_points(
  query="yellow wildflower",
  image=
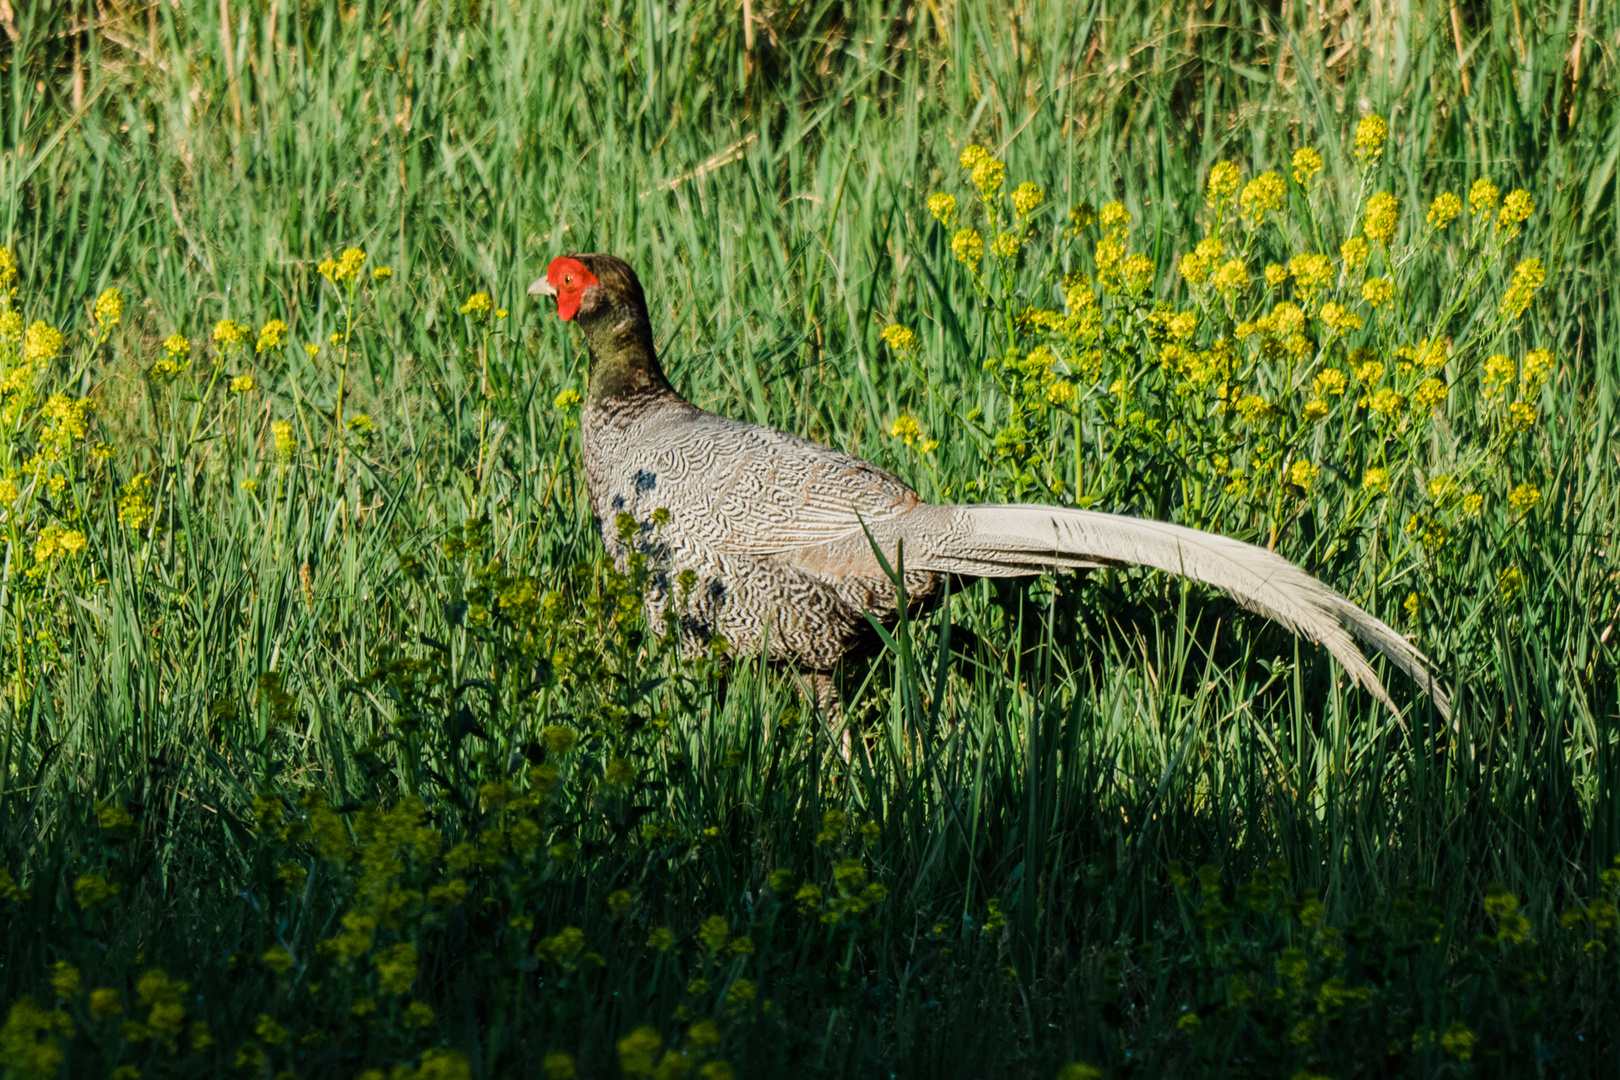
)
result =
(1193, 269)
(566, 399)
(1276, 274)
(1222, 183)
(1340, 319)
(1115, 216)
(987, 175)
(968, 247)
(1528, 276)
(45, 545)
(1383, 214)
(1007, 245)
(1262, 195)
(1196, 265)
(382, 273)
(1524, 498)
(1081, 217)
(906, 429)
(1316, 410)
(1232, 275)
(1378, 292)
(1521, 416)
(972, 155)
(1329, 382)
(1538, 365)
(42, 343)
(134, 510)
(1430, 394)
(1510, 579)
(229, 334)
(1458, 1041)
(1307, 163)
(1285, 319)
(1137, 272)
(361, 423)
(1078, 295)
(1254, 409)
(1311, 271)
(311, 348)
(477, 304)
(1482, 196)
(1431, 353)
(1432, 532)
(1371, 134)
(396, 968)
(105, 1003)
(900, 339)
(281, 431)
(1375, 481)
(93, 891)
(65, 979)
(1444, 209)
(271, 336)
(1386, 402)
(943, 208)
(109, 309)
(1354, 251)
(1516, 208)
(1498, 373)
(1027, 198)
(638, 1052)
(11, 325)
(1302, 474)
(242, 384)
(620, 772)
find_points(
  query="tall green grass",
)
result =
(1053, 746)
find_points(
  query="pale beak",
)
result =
(541, 287)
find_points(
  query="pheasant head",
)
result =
(600, 294)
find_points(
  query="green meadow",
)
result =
(332, 745)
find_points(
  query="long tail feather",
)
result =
(1011, 541)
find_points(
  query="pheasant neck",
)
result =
(623, 362)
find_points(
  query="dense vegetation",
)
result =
(331, 746)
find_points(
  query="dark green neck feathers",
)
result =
(613, 315)
(623, 363)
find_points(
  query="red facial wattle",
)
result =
(570, 279)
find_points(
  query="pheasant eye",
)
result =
(568, 279)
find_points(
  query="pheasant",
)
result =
(771, 540)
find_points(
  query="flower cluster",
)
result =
(1282, 375)
(345, 267)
